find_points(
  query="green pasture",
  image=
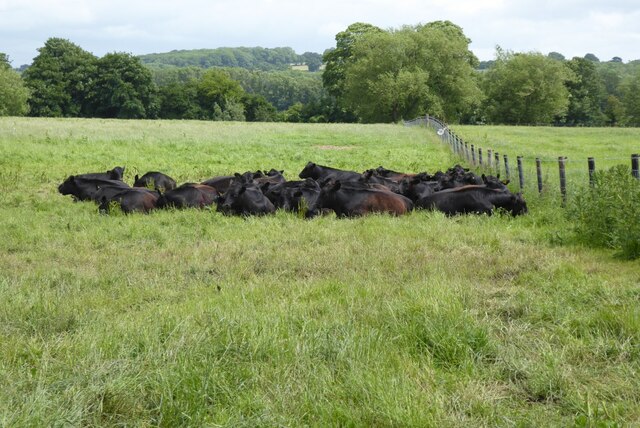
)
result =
(190, 318)
(608, 147)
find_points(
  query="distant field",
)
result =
(191, 318)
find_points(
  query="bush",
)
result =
(608, 214)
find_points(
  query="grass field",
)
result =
(608, 146)
(190, 318)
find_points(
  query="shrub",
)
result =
(608, 213)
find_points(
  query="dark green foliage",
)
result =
(280, 88)
(258, 109)
(526, 89)
(336, 60)
(630, 88)
(13, 93)
(385, 76)
(179, 101)
(608, 214)
(313, 60)
(122, 88)
(219, 93)
(585, 94)
(59, 79)
(251, 58)
(4, 61)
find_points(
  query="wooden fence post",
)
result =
(480, 155)
(466, 151)
(563, 179)
(497, 163)
(539, 174)
(634, 165)
(520, 173)
(489, 158)
(592, 169)
(507, 171)
(473, 155)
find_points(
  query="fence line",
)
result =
(493, 159)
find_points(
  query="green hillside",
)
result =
(253, 58)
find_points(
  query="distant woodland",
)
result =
(370, 75)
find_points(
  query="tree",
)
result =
(613, 110)
(556, 55)
(4, 61)
(399, 74)
(585, 94)
(313, 60)
(217, 93)
(630, 89)
(122, 88)
(13, 93)
(444, 53)
(179, 100)
(336, 60)
(59, 79)
(381, 85)
(258, 109)
(526, 89)
(591, 57)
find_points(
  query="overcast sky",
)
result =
(572, 27)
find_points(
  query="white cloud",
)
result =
(571, 27)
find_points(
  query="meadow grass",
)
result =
(190, 318)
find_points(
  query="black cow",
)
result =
(473, 199)
(319, 172)
(83, 188)
(156, 180)
(392, 175)
(131, 200)
(419, 186)
(370, 176)
(114, 174)
(220, 183)
(244, 198)
(353, 199)
(269, 178)
(494, 182)
(292, 195)
(188, 195)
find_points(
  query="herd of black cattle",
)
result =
(321, 190)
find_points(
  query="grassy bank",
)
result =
(191, 318)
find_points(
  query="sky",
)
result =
(571, 27)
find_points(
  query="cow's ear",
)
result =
(282, 171)
(311, 164)
(242, 189)
(505, 182)
(237, 175)
(72, 178)
(484, 178)
(136, 178)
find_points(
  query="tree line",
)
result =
(371, 75)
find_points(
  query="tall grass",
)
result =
(191, 318)
(608, 214)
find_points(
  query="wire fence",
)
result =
(542, 173)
